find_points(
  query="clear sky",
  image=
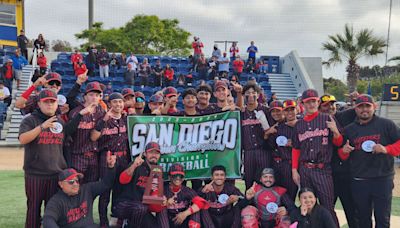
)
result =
(277, 27)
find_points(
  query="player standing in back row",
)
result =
(312, 150)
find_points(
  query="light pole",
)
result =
(90, 14)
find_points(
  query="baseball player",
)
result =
(140, 103)
(170, 100)
(129, 204)
(281, 141)
(84, 152)
(315, 136)
(155, 104)
(183, 203)
(221, 197)
(271, 201)
(72, 206)
(42, 135)
(222, 92)
(111, 131)
(341, 169)
(129, 101)
(372, 142)
(203, 96)
(255, 157)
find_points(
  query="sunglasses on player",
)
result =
(71, 182)
(57, 83)
(139, 99)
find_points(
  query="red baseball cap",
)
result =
(364, 99)
(53, 76)
(94, 87)
(152, 146)
(170, 91)
(127, 91)
(220, 83)
(276, 105)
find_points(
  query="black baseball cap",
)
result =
(276, 105)
(268, 171)
(53, 76)
(69, 174)
(93, 87)
(115, 96)
(156, 99)
(170, 91)
(127, 91)
(364, 99)
(152, 146)
(176, 169)
(47, 94)
(309, 94)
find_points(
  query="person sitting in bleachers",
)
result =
(114, 63)
(168, 75)
(181, 80)
(42, 62)
(261, 67)
(5, 96)
(7, 73)
(250, 67)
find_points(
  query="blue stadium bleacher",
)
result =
(181, 65)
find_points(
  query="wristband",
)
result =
(28, 92)
(100, 125)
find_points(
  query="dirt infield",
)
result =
(13, 159)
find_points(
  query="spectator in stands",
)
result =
(168, 75)
(216, 52)
(223, 67)
(272, 98)
(144, 72)
(250, 67)
(42, 62)
(123, 59)
(8, 74)
(5, 95)
(238, 65)
(114, 63)
(103, 58)
(80, 67)
(233, 51)
(39, 44)
(252, 50)
(213, 68)
(157, 73)
(181, 80)
(189, 80)
(132, 60)
(197, 46)
(129, 76)
(36, 75)
(75, 57)
(202, 67)
(23, 41)
(19, 62)
(91, 59)
(261, 67)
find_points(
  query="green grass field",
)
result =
(13, 200)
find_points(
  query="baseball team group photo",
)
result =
(173, 114)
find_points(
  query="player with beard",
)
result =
(255, 120)
(183, 203)
(221, 196)
(111, 132)
(271, 201)
(129, 204)
(281, 142)
(85, 152)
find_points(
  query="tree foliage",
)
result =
(350, 47)
(61, 46)
(142, 35)
(335, 87)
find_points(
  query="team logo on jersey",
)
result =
(57, 128)
(223, 198)
(368, 146)
(272, 207)
(281, 140)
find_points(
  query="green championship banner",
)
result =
(198, 142)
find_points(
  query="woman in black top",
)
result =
(310, 214)
(39, 43)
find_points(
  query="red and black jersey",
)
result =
(216, 208)
(84, 125)
(314, 139)
(134, 190)
(282, 152)
(211, 109)
(114, 135)
(183, 198)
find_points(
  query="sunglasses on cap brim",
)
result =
(139, 99)
(328, 99)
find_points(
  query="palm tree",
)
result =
(350, 47)
(396, 58)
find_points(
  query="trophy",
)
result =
(154, 190)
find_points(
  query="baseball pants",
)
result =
(321, 181)
(37, 190)
(283, 177)
(373, 195)
(342, 187)
(86, 164)
(254, 162)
